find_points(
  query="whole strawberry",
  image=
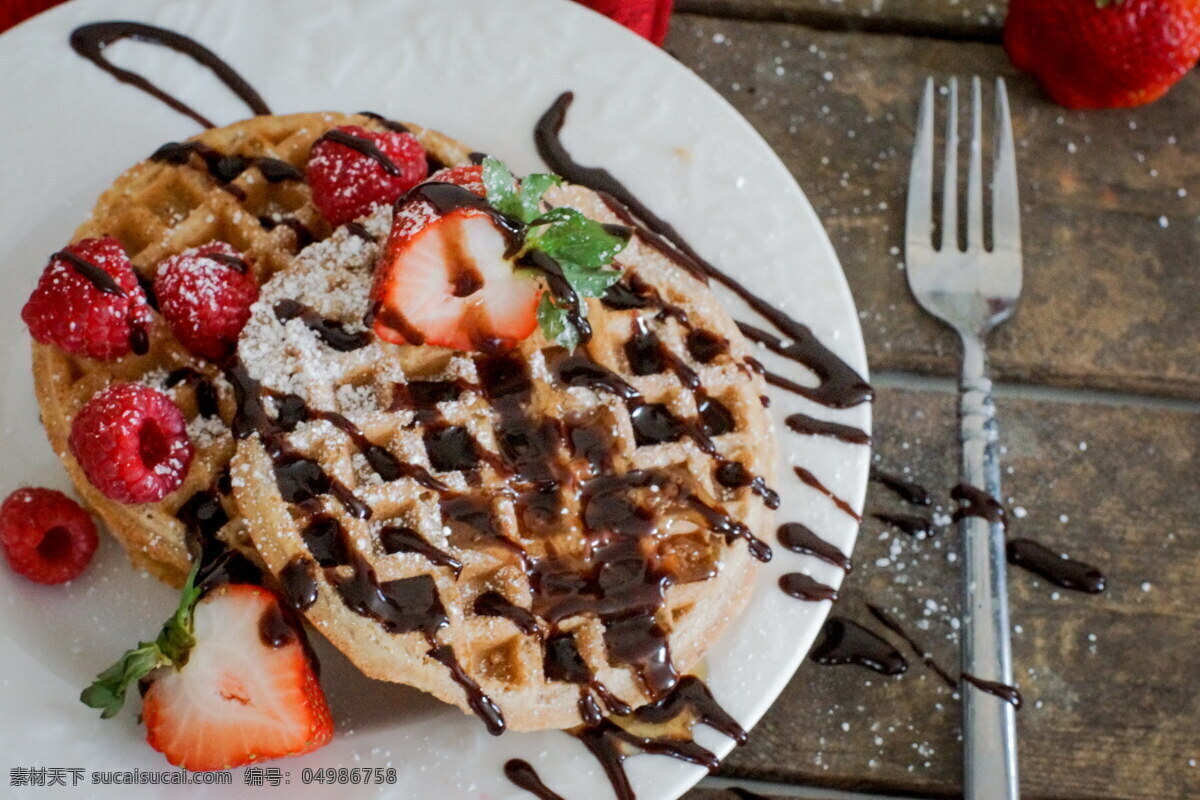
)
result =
(1104, 53)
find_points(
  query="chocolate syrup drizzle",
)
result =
(224, 168)
(926, 657)
(360, 145)
(909, 492)
(139, 340)
(1007, 693)
(912, 524)
(801, 539)
(812, 480)
(804, 587)
(329, 331)
(811, 426)
(524, 776)
(846, 642)
(978, 504)
(90, 41)
(1056, 567)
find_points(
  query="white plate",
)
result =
(482, 71)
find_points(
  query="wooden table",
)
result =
(1099, 403)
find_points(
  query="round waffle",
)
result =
(527, 536)
(237, 184)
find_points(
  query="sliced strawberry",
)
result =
(446, 278)
(469, 176)
(247, 692)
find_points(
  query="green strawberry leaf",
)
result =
(173, 645)
(108, 690)
(555, 325)
(568, 235)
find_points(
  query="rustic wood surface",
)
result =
(955, 19)
(1109, 301)
(1101, 464)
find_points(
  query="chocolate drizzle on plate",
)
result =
(90, 41)
(805, 587)
(846, 642)
(1055, 567)
(811, 426)
(801, 539)
(524, 776)
(812, 480)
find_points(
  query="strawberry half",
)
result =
(230, 682)
(447, 276)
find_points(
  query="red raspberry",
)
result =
(346, 183)
(88, 302)
(46, 536)
(205, 300)
(468, 177)
(132, 443)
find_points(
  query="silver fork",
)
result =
(973, 291)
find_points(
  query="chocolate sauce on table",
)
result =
(804, 587)
(812, 480)
(840, 386)
(1055, 567)
(811, 426)
(524, 776)
(909, 492)
(927, 659)
(978, 504)
(90, 41)
(846, 642)
(1009, 694)
(912, 524)
(329, 331)
(801, 539)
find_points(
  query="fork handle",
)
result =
(989, 723)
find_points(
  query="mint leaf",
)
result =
(570, 236)
(530, 195)
(501, 188)
(173, 645)
(555, 325)
(589, 282)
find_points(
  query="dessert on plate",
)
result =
(481, 433)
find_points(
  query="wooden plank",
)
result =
(1109, 680)
(1110, 293)
(962, 19)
